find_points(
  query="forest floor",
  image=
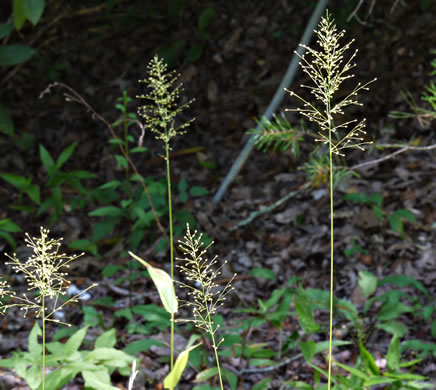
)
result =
(101, 53)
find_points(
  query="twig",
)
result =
(389, 156)
(76, 97)
(267, 209)
(264, 369)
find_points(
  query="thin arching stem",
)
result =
(171, 243)
(43, 342)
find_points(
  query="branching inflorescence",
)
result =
(328, 70)
(160, 115)
(205, 296)
(43, 273)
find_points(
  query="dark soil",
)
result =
(100, 53)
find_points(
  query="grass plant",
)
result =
(43, 273)
(205, 297)
(160, 115)
(328, 69)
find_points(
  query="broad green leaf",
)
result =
(6, 123)
(378, 212)
(9, 239)
(275, 297)
(205, 18)
(377, 380)
(393, 356)
(262, 385)
(47, 161)
(405, 214)
(393, 327)
(73, 343)
(19, 13)
(33, 10)
(35, 349)
(174, 376)
(230, 377)
(309, 349)
(198, 191)
(367, 283)
(15, 54)
(65, 155)
(417, 345)
(106, 340)
(60, 377)
(32, 191)
(299, 385)
(392, 309)
(18, 181)
(403, 281)
(264, 273)
(183, 185)
(305, 313)
(206, 374)
(110, 184)
(110, 356)
(33, 376)
(143, 345)
(376, 198)
(5, 29)
(85, 245)
(406, 376)
(324, 345)
(98, 380)
(396, 223)
(8, 226)
(369, 359)
(107, 211)
(163, 283)
(82, 174)
(261, 362)
(109, 271)
(353, 371)
(124, 313)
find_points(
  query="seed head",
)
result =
(43, 273)
(204, 294)
(328, 69)
(160, 114)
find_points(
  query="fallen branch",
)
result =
(267, 209)
(389, 156)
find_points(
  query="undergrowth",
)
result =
(387, 305)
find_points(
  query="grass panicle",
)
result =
(161, 113)
(43, 273)
(160, 117)
(328, 69)
(204, 294)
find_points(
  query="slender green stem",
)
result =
(331, 258)
(43, 343)
(215, 349)
(170, 213)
